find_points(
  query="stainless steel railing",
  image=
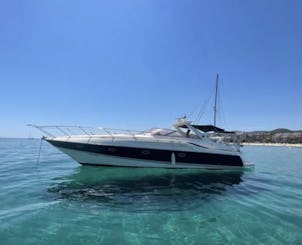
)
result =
(99, 132)
(68, 131)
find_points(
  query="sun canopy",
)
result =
(210, 128)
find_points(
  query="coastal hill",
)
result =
(280, 135)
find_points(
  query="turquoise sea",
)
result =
(60, 202)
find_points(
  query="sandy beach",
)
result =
(273, 144)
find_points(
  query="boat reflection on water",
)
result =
(144, 189)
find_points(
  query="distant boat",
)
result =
(185, 146)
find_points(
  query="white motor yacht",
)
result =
(185, 146)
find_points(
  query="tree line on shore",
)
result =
(281, 135)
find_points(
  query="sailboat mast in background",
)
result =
(215, 105)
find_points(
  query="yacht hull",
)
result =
(112, 155)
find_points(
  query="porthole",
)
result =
(79, 146)
(112, 149)
(181, 154)
(145, 152)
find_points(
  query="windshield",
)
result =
(162, 132)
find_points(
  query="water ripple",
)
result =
(59, 202)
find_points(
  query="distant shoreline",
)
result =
(273, 144)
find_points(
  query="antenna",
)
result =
(215, 105)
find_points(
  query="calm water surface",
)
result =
(60, 202)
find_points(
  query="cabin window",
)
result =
(79, 146)
(112, 149)
(181, 154)
(145, 152)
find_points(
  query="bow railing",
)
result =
(68, 131)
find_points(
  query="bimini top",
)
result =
(210, 128)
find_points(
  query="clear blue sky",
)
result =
(139, 64)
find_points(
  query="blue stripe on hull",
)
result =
(153, 154)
